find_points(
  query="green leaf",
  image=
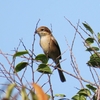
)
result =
(9, 91)
(89, 41)
(98, 35)
(91, 87)
(78, 97)
(92, 49)
(43, 68)
(88, 27)
(20, 66)
(20, 53)
(24, 95)
(94, 60)
(60, 95)
(42, 58)
(84, 92)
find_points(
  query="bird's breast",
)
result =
(49, 47)
(45, 43)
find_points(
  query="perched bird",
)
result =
(50, 47)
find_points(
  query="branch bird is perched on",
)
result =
(50, 47)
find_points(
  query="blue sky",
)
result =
(18, 20)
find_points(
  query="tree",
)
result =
(27, 58)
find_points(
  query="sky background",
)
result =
(18, 20)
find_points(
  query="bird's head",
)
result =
(42, 31)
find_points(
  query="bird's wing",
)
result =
(56, 44)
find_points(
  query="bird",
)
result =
(50, 47)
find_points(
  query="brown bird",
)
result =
(50, 47)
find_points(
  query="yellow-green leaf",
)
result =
(33, 96)
(9, 90)
(60, 95)
(84, 92)
(78, 97)
(24, 95)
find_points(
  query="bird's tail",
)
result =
(61, 75)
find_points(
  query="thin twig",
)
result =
(33, 51)
(75, 67)
(75, 35)
(51, 88)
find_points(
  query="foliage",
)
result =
(35, 91)
(90, 41)
(84, 93)
(40, 95)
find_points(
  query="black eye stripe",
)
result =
(45, 29)
(42, 29)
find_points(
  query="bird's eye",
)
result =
(42, 29)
